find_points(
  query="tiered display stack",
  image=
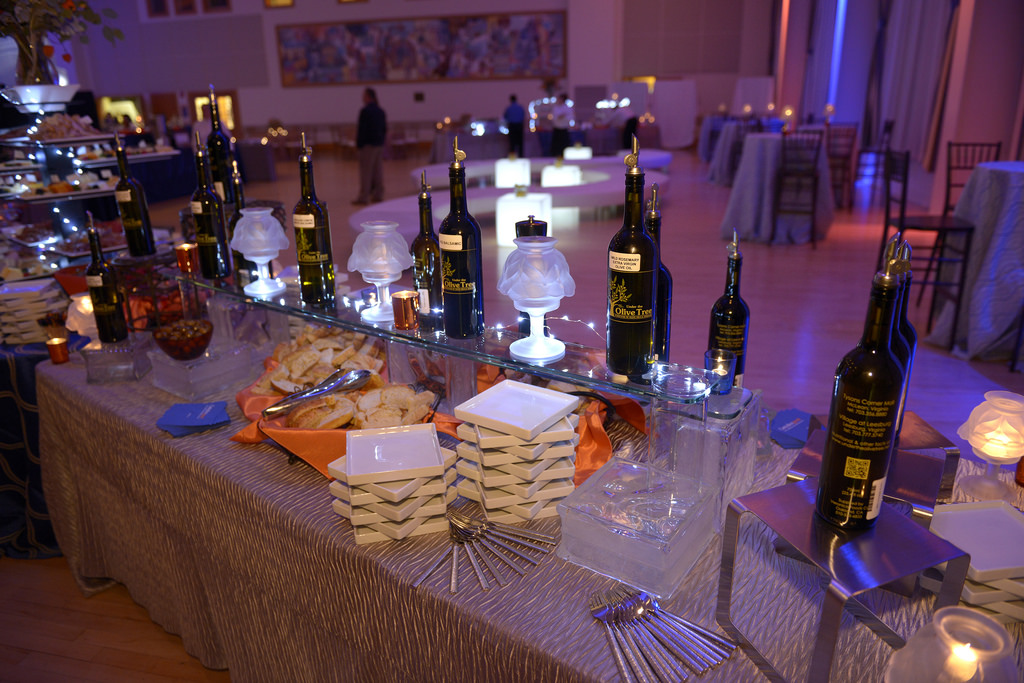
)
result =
(393, 482)
(22, 303)
(518, 455)
(991, 532)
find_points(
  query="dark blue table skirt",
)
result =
(25, 530)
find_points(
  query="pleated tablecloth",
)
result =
(239, 552)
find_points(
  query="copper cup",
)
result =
(58, 349)
(406, 305)
(188, 257)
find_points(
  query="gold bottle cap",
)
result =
(424, 188)
(307, 152)
(734, 247)
(633, 159)
(458, 155)
(200, 149)
(117, 141)
(406, 304)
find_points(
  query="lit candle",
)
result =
(962, 663)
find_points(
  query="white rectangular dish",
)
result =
(393, 491)
(418, 506)
(518, 409)
(392, 454)
(562, 430)
(545, 470)
(497, 498)
(992, 532)
(370, 534)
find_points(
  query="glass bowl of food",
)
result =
(184, 339)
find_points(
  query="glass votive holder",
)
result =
(58, 348)
(188, 258)
(721, 363)
(406, 306)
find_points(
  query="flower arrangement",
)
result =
(28, 22)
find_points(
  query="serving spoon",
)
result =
(341, 380)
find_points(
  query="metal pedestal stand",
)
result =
(853, 562)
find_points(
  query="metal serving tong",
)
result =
(340, 380)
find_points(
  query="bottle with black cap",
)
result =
(426, 265)
(461, 261)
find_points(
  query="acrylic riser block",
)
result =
(224, 365)
(123, 361)
(454, 378)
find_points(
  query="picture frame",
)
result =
(469, 47)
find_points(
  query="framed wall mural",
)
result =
(442, 48)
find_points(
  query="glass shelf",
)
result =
(582, 365)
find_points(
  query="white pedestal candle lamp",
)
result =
(259, 237)
(536, 277)
(380, 254)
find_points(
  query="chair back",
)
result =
(841, 139)
(961, 158)
(800, 151)
(896, 165)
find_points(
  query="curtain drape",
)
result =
(819, 59)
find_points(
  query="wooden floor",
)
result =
(807, 309)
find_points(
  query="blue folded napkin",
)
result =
(791, 427)
(183, 419)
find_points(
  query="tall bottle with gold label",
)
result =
(312, 238)
(730, 316)
(132, 207)
(633, 262)
(208, 214)
(862, 419)
(426, 266)
(663, 319)
(461, 261)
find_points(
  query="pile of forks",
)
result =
(650, 644)
(500, 549)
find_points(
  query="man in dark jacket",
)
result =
(370, 136)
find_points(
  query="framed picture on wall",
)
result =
(278, 3)
(216, 5)
(184, 7)
(490, 46)
(157, 8)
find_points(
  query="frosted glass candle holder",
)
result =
(536, 277)
(380, 254)
(260, 237)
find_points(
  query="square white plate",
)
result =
(1001, 618)
(497, 498)
(563, 430)
(973, 592)
(1014, 587)
(544, 470)
(368, 534)
(392, 454)
(27, 289)
(492, 457)
(992, 532)
(419, 506)
(515, 515)
(393, 491)
(521, 410)
(1013, 609)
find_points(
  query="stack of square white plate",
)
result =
(518, 455)
(992, 533)
(393, 482)
(22, 303)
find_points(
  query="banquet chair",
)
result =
(746, 126)
(871, 159)
(948, 255)
(840, 141)
(796, 181)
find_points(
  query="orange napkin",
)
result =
(318, 447)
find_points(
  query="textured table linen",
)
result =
(993, 200)
(718, 172)
(25, 530)
(753, 190)
(240, 553)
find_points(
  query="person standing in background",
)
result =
(514, 117)
(370, 136)
(561, 119)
